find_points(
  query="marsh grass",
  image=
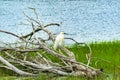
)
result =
(105, 55)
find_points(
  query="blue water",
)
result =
(87, 20)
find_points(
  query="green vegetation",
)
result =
(105, 55)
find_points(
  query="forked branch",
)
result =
(41, 57)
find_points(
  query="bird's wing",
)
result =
(61, 42)
(56, 43)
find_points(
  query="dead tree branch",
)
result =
(10, 66)
(9, 33)
(42, 57)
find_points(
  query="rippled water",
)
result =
(87, 20)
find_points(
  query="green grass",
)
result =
(105, 55)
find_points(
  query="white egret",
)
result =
(59, 40)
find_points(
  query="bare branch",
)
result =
(36, 14)
(14, 68)
(32, 19)
(74, 41)
(38, 29)
(9, 33)
(41, 58)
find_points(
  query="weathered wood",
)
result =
(41, 62)
(12, 67)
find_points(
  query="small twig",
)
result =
(5, 67)
(36, 14)
(89, 55)
(101, 59)
(32, 19)
(74, 41)
(43, 58)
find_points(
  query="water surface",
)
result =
(87, 20)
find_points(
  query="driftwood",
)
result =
(15, 55)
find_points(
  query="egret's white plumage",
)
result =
(59, 40)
